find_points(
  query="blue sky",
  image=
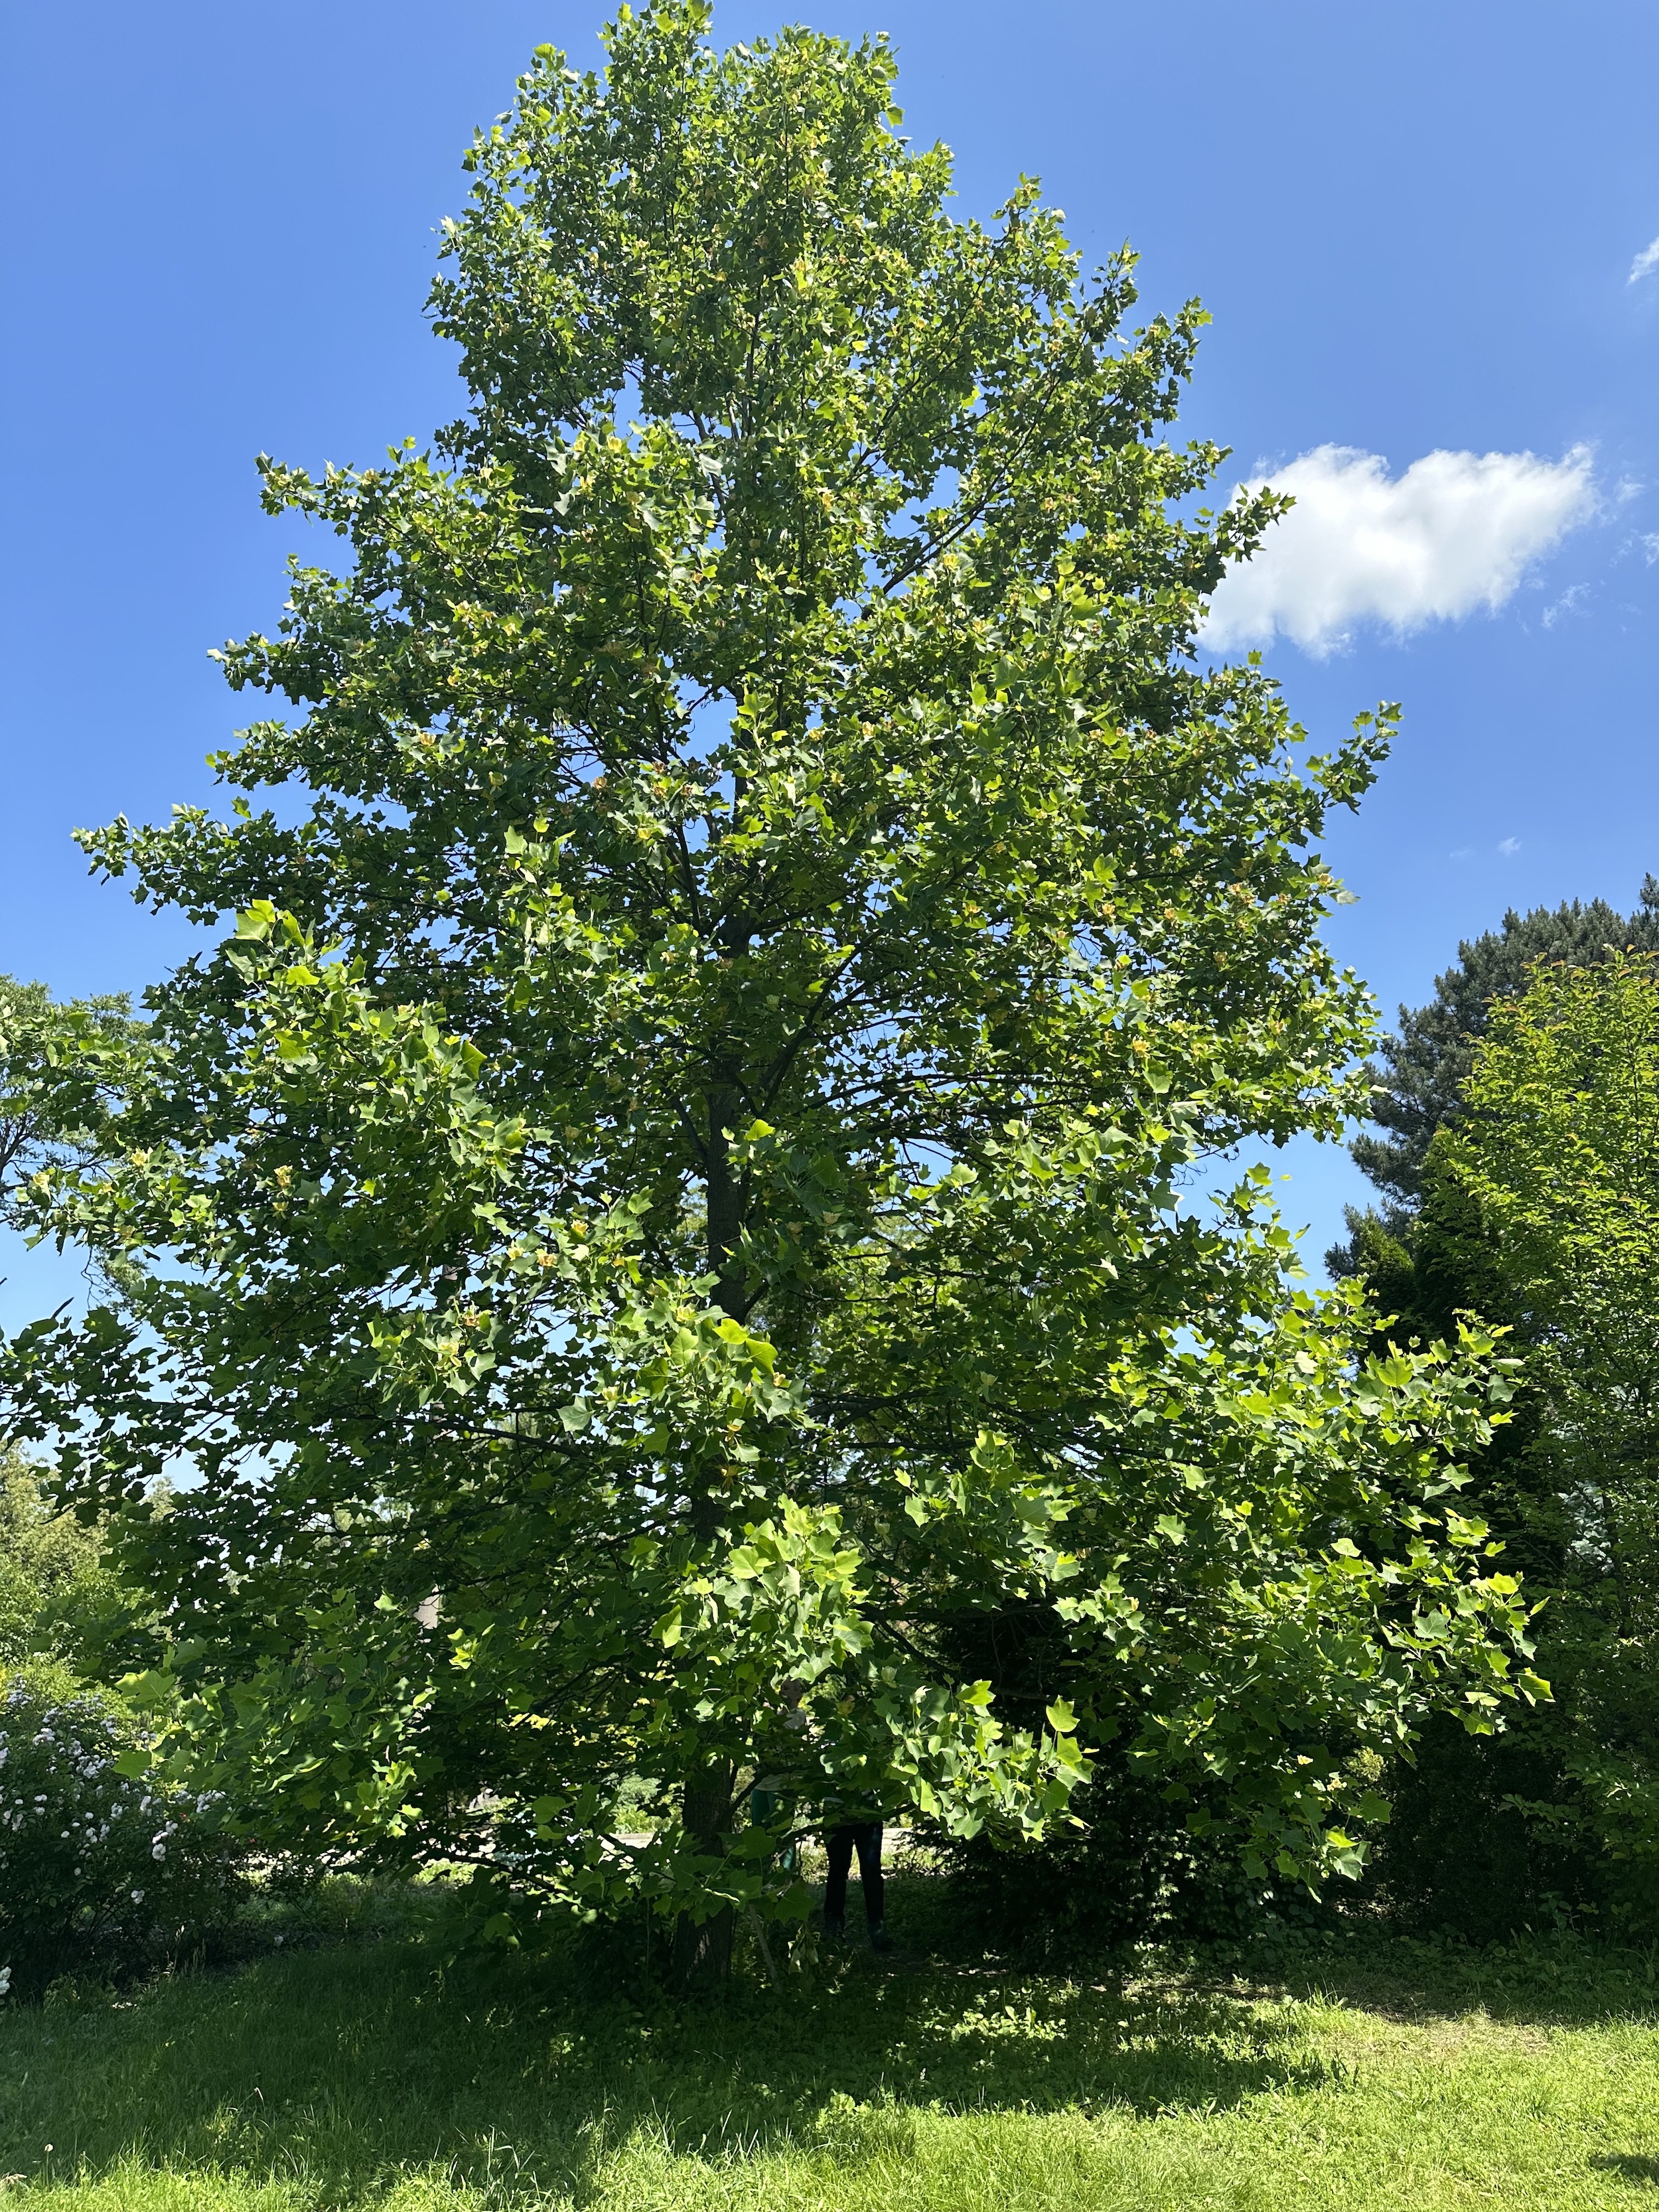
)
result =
(1415, 227)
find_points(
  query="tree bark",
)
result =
(724, 1206)
(702, 1949)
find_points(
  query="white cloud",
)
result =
(1569, 603)
(1644, 264)
(1456, 531)
(1509, 847)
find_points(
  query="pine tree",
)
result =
(1420, 1072)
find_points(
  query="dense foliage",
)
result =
(55, 1586)
(1556, 1162)
(1538, 1206)
(1420, 1070)
(43, 1115)
(662, 1222)
(102, 1873)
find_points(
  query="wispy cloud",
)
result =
(1569, 603)
(1644, 264)
(1509, 847)
(1454, 532)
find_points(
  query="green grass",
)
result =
(365, 2073)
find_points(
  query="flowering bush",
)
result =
(100, 1870)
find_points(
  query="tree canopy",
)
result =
(1532, 1203)
(1552, 1173)
(666, 1205)
(1422, 1067)
(53, 1584)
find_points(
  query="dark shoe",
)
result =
(879, 1939)
(835, 1930)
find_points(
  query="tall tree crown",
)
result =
(673, 1175)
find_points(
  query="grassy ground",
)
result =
(365, 2073)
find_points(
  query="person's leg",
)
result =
(868, 1839)
(838, 1848)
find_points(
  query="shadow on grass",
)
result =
(340, 2070)
(1629, 2166)
(1557, 1980)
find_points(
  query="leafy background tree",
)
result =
(662, 1223)
(1553, 1171)
(104, 1870)
(54, 1584)
(1507, 1112)
(1420, 1070)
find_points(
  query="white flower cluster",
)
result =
(83, 1741)
(84, 1846)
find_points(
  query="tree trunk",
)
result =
(725, 1204)
(702, 1949)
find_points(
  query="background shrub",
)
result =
(1129, 1873)
(55, 1584)
(1123, 1867)
(102, 1873)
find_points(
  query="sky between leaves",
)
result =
(1428, 233)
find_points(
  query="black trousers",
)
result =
(865, 1837)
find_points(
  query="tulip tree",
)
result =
(668, 1202)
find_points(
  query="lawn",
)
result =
(366, 2072)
